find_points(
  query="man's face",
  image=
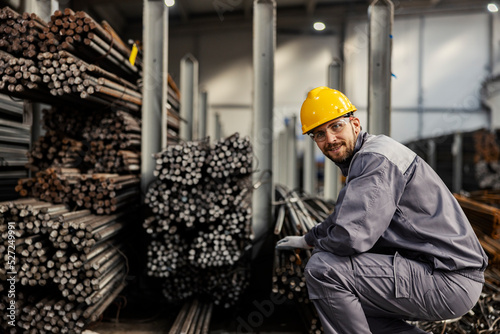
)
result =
(338, 146)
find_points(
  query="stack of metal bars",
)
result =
(14, 145)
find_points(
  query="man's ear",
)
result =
(357, 125)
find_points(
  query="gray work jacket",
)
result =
(393, 201)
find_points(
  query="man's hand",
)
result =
(292, 242)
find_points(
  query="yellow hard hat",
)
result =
(322, 105)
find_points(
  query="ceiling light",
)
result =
(493, 8)
(319, 26)
(169, 3)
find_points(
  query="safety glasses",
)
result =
(334, 128)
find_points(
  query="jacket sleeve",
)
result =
(364, 208)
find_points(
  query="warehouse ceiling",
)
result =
(293, 16)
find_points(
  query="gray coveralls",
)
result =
(398, 246)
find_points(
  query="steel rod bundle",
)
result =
(181, 164)
(49, 313)
(68, 265)
(53, 149)
(18, 74)
(223, 286)
(115, 144)
(95, 143)
(20, 33)
(71, 121)
(80, 33)
(14, 144)
(101, 193)
(52, 184)
(230, 156)
(66, 74)
(83, 274)
(40, 60)
(296, 214)
(481, 216)
(200, 227)
(107, 193)
(193, 318)
(486, 160)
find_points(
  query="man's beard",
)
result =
(344, 157)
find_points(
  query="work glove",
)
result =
(292, 242)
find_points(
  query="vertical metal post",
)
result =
(164, 101)
(189, 94)
(381, 17)
(332, 177)
(152, 89)
(310, 180)
(218, 127)
(457, 153)
(264, 44)
(202, 119)
(292, 163)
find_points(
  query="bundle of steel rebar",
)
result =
(107, 193)
(20, 33)
(52, 184)
(223, 286)
(230, 156)
(296, 214)
(18, 74)
(29, 219)
(115, 144)
(490, 197)
(101, 193)
(15, 138)
(200, 227)
(20, 42)
(483, 217)
(483, 211)
(78, 32)
(182, 164)
(68, 266)
(67, 75)
(72, 122)
(193, 318)
(95, 143)
(68, 57)
(86, 264)
(54, 149)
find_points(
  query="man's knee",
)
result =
(326, 267)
